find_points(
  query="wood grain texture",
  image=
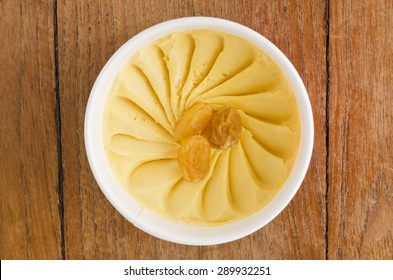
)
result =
(29, 225)
(51, 54)
(361, 117)
(89, 33)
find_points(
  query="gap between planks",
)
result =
(60, 178)
(327, 115)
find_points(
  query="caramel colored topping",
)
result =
(225, 128)
(193, 121)
(194, 158)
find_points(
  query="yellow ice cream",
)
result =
(166, 78)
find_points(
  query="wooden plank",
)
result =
(88, 36)
(30, 223)
(361, 152)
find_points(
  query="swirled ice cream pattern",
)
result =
(168, 76)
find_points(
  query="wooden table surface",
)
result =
(51, 53)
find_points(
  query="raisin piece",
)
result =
(225, 128)
(193, 121)
(194, 158)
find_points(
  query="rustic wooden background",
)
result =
(50, 55)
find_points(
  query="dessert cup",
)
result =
(151, 222)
